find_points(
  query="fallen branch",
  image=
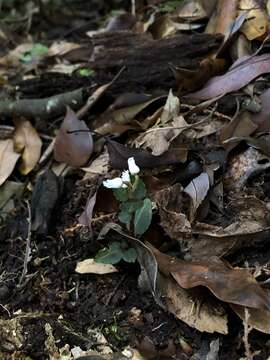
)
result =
(43, 108)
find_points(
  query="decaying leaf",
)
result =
(258, 319)
(236, 286)
(89, 266)
(44, 198)
(194, 310)
(74, 143)
(86, 217)
(8, 159)
(240, 74)
(242, 166)
(27, 142)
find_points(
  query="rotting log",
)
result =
(147, 60)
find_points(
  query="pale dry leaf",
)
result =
(28, 142)
(197, 189)
(89, 266)
(257, 22)
(8, 159)
(194, 311)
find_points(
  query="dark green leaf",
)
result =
(143, 217)
(130, 255)
(139, 191)
(125, 217)
(121, 194)
(111, 255)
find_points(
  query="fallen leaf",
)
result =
(242, 166)
(9, 190)
(241, 73)
(74, 143)
(86, 216)
(262, 119)
(44, 199)
(119, 155)
(27, 141)
(185, 305)
(257, 22)
(89, 266)
(8, 159)
(258, 319)
(125, 21)
(242, 125)
(197, 189)
(236, 286)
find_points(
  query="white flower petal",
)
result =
(133, 168)
(125, 176)
(115, 183)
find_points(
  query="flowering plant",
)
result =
(130, 191)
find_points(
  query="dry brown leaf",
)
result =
(89, 266)
(241, 73)
(242, 166)
(27, 142)
(8, 159)
(185, 305)
(257, 22)
(72, 146)
(262, 119)
(258, 319)
(236, 286)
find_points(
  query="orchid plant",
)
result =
(135, 206)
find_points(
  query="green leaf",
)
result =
(130, 255)
(143, 217)
(121, 194)
(111, 255)
(125, 217)
(86, 72)
(37, 51)
(139, 191)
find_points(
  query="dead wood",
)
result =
(147, 60)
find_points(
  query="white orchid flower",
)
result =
(133, 168)
(115, 183)
(125, 176)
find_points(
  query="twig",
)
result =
(247, 330)
(133, 7)
(115, 290)
(27, 256)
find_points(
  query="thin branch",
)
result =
(27, 256)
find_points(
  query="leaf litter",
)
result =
(185, 229)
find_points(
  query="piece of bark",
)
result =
(147, 60)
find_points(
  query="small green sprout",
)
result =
(37, 52)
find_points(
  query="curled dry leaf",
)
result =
(185, 305)
(27, 142)
(197, 189)
(241, 73)
(86, 217)
(250, 223)
(8, 159)
(89, 266)
(74, 143)
(236, 286)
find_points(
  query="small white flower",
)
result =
(125, 176)
(115, 183)
(133, 168)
